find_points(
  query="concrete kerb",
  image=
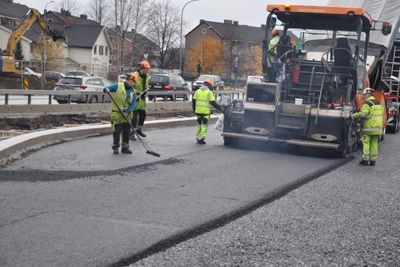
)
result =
(14, 148)
(212, 223)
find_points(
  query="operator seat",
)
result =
(342, 54)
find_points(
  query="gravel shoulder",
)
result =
(349, 217)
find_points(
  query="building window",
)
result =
(95, 50)
(106, 50)
(101, 48)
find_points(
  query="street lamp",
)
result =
(180, 46)
(44, 58)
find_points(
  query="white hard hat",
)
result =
(367, 91)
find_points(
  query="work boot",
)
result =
(139, 132)
(364, 162)
(201, 142)
(126, 150)
(372, 163)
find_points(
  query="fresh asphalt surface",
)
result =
(348, 217)
(77, 204)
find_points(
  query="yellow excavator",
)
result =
(7, 61)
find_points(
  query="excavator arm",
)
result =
(30, 18)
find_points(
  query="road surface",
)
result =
(77, 204)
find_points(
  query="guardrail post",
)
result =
(50, 97)
(29, 99)
(103, 98)
(6, 99)
(86, 98)
(69, 99)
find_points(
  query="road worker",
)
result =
(139, 114)
(371, 115)
(202, 100)
(125, 97)
(274, 41)
(272, 53)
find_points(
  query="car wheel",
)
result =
(93, 99)
(150, 98)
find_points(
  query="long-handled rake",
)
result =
(148, 149)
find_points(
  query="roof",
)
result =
(381, 10)
(81, 33)
(236, 31)
(12, 10)
(84, 36)
(140, 38)
(321, 17)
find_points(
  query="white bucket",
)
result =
(298, 101)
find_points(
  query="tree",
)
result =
(209, 53)
(163, 28)
(128, 14)
(19, 55)
(251, 63)
(99, 10)
(70, 5)
(54, 51)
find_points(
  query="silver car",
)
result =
(86, 84)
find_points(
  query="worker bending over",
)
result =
(139, 114)
(372, 127)
(202, 100)
(125, 97)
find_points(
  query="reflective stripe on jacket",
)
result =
(372, 115)
(203, 97)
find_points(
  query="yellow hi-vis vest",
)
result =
(272, 44)
(372, 113)
(121, 101)
(203, 97)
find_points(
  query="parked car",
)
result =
(88, 84)
(28, 71)
(77, 73)
(169, 82)
(54, 76)
(254, 79)
(218, 84)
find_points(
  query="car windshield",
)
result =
(159, 79)
(69, 80)
(202, 78)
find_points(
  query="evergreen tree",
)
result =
(18, 52)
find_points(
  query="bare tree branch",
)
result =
(163, 29)
(70, 5)
(99, 10)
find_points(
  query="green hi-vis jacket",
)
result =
(140, 86)
(121, 100)
(372, 115)
(203, 97)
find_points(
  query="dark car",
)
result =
(169, 82)
(54, 76)
(218, 84)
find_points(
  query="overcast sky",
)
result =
(248, 12)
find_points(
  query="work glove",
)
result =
(105, 90)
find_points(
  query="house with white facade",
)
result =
(87, 41)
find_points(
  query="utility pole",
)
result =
(180, 45)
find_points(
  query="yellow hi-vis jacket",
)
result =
(372, 115)
(203, 97)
